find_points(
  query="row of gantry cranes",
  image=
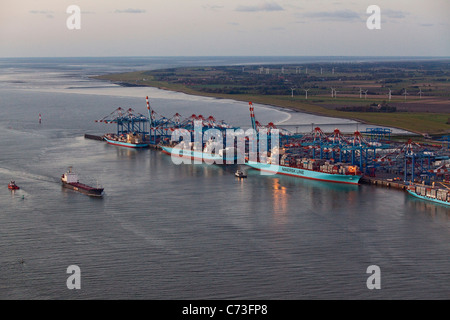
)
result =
(372, 150)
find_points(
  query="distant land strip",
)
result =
(413, 96)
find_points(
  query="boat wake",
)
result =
(23, 175)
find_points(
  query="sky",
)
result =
(38, 28)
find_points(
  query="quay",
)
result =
(384, 182)
(93, 137)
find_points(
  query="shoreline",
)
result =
(427, 117)
(272, 106)
(411, 119)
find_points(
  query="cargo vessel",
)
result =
(305, 173)
(428, 193)
(313, 169)
(222, 157)
(70, 180)
(129, 140)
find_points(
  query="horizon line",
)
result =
(232, 56)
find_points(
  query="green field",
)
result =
(429, 115)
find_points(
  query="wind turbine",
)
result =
(365, 94)
(292, 94)
(306, 93)
(405, 93)
(360, 93)
(390, 94)
(332, 92)
(335, 93)
(282, 69)
(420, 93)
(321, 70)
(267, 70)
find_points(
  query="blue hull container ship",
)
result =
(129, 140)
(201, 155)
(428, 193)
(348, 177)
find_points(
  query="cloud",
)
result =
(212, 7)
(266, 6)
(129, 10)
(394, 14)
(47, 13)
(426, 24)
(343, 15)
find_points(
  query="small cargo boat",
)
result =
(70, 180)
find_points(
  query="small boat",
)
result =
(12, 185)
(240, 174)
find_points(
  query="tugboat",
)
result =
(12, 185)
(70, 180)
(239, 174)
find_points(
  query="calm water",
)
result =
(192, 231)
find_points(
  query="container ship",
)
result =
(130, 140)
(428, 193)
(70, 180)
(205, 154)
(312, 169)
